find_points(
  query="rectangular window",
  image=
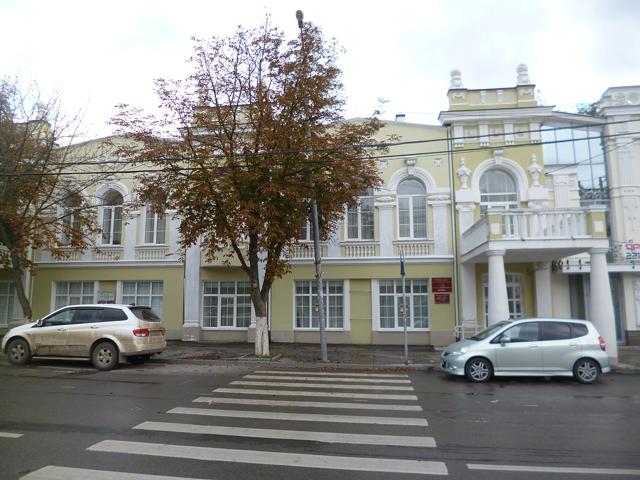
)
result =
(515, 295)
(154, 227)
(226, 305)
(74, 293)
(360, 220)
(7, 301)
(306, 301)
(111, 225)
(70, 223)
(391, 300)
(144, 293)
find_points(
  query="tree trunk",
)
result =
(18, 279)
(262, 337)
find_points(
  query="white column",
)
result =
(191, 325)
(465, 216)
(601, 311)
(498, 300)
(468, 292)
(386, 229)
(543, 289)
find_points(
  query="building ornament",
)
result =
(534, 170)
(463, 174)
(456, 79)
(523, 75)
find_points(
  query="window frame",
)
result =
(398, 327)
(513, 279)
(121, 294)
(55, 293)
(412, 212)
(155, 218)
(10, 302)
(358, 212)
(114, 211)
(327, 303)
(219, 305)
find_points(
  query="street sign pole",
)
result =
(404, 309)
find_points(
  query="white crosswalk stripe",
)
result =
(332, 462)
(300, 404)
(52, 472)
(391, 393)
(332, 379)
(10, 435)
(302, 417)
(325, 437)
(304, 393)
(321, 385)
(330, 374)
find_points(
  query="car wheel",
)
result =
(138, 359)
(104, 356)
(18, 351)
(478, 370)
(586, 370)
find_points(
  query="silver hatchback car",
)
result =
(530, 347)
(102, 332)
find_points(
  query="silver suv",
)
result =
(530, 347)
(99, 332)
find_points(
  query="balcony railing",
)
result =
(108, 254)
(534, 224)
(359, 249)
(152, 252)
(413, 248)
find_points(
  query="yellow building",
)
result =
(494, 212)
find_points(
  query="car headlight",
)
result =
(460, 352)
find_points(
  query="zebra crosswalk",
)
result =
(269, 409)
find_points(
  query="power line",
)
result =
(318, 162)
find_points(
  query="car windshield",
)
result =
(145, 313)
(487, 332)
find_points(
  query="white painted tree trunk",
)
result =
(262, 337)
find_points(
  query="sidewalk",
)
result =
(340, 356)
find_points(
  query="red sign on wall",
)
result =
(441, 298)
(441, 285)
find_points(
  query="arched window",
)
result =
(497, 190)
(112, 218)
(70, 219)
(412, 209)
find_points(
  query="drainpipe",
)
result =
(454, 230)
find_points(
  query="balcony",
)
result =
(536, 234)
(359, 249)
(152, 252)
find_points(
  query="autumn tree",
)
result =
(43, 177)
(244, 143)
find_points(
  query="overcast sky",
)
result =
(101, 53)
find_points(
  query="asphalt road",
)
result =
(77, 423)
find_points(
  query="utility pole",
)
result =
(404, 309)
(317, 256)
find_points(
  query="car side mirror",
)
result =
(504, 340)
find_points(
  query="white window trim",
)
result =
(120, 291)
(359, 222)
(54, 293)
(16, 310)
(111, 209)
(167, 224)
(252, 320)
(346, 308)
(411, 235)
(375, 308)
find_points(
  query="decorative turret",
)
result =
(456, 79)
(523, 75)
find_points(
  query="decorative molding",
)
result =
(463, 174)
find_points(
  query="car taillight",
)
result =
(603, 344)
(141, 332)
